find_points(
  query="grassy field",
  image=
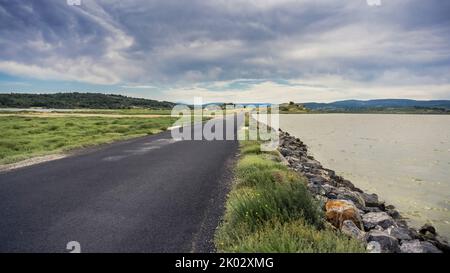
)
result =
(25, 137)
(137, 111)
(105, 112)
(269, 209)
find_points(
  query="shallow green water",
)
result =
(405, 159)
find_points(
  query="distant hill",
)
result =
(381, 105)
(292, 108)
(79, 100)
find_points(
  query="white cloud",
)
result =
(367, 44)
(319, 89)
(111, 67)
(139, 86)
(81, 70)
(374, 2)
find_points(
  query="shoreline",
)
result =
(356, 213)
(366, 113)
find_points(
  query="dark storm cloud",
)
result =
(50, 22)
(111, 41)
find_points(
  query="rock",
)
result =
(393, 213)
(379, 228)
(401, 223)
(292, 146)
(292, 159)
(440, 243)
(371, 209)
(337, 211)
(355, 197)
(332, 182)
(328, 188)
(371, 200)
(373, 247)
(317, 179)
(316, 188)
(390, 207)
(346, 183)
(322, 200)
(345, 203)
(332, 195)
(308, 171)
(373, 219)
(313, 164)
(387, 243)
(427, 228)
(329, 172)
(400, 233)
(361, 212)
(414, 233)
(416, 246)
(285, 152)
(349, 228)
(324, 174)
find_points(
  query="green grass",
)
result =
(253, 148)
(292, 237)
(25, 137)
(247, 119)
(136, 111)
(270, 209)
(292, 108)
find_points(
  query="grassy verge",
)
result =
(124, 112)
(25, 137)
(270, 210)
(137, 111)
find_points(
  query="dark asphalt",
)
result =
(151, 194)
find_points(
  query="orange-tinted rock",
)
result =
(338, 211)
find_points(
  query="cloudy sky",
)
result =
(228, 50)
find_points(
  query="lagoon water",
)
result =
(405, 159)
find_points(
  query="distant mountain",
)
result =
(256, 104)
(378, 105)
(79, 100)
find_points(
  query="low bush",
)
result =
(291, 237)
(270, 209)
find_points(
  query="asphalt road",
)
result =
(151, 194)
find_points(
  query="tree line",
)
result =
(79, 100)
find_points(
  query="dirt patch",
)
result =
(31, 161)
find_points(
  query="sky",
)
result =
(228, 50)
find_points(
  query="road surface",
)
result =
(151, 194)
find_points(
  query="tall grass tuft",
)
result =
(270, 210)
(292, 237)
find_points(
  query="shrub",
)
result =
(270, 210)
(122, 130)
(291, 237)
(251, 149)
(285, 202)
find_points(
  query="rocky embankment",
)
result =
(356, 213)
